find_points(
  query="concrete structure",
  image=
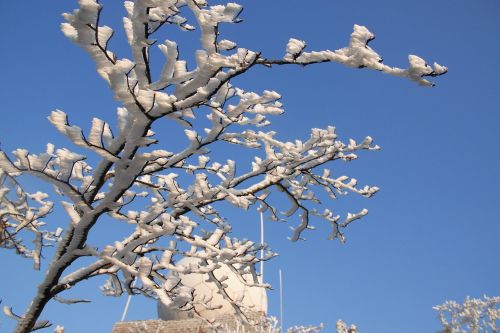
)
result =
(219, 311)
(253, 299)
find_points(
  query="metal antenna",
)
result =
(262, 250)
(262, 292)
(129, 298)
(281, 302)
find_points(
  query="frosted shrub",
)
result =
(473, 316)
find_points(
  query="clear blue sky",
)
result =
(433, 230)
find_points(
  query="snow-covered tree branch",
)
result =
(134, 166)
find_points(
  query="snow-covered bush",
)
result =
(272, 325)
(134, 166)
(473, 316)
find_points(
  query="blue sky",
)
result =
(433, 230)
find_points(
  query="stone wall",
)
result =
(161, 326)
(194, 325)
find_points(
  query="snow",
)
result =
(294, 48)
(359, 55)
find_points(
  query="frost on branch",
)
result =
(59, 329)
(99, 138)
(343, 328)
(474, 315)
(22, 214)
(359, 55)
(172, 198)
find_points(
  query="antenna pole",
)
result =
(262, 292)
(129, 298)
(262, 250)
(281, 301)
(126, 307)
